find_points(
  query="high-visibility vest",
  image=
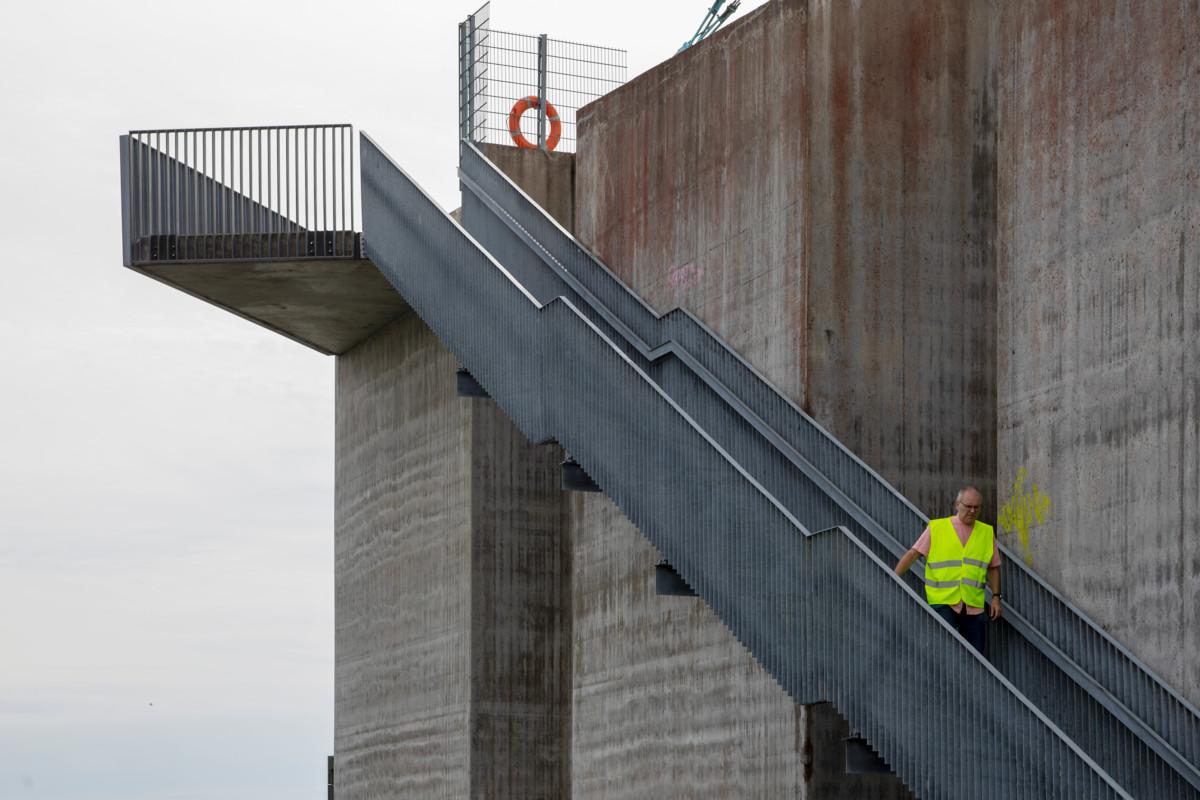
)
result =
(956, 572)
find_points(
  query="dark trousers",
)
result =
(972, 627)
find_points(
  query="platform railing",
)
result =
(266, 192)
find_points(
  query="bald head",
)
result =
(969, 490)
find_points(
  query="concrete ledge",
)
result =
(329, 305)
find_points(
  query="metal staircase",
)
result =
(783, 533)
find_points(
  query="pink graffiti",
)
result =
(684, 277)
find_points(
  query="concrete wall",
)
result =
(816, 183)
(548, 178)
(453, 579)
(900, 362)
(667, 704)
(1099, 314)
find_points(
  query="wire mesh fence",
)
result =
(500, 69)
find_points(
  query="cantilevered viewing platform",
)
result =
(260, 222)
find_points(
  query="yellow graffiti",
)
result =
(1026, 508)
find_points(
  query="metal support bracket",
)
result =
(574, 479)
(467, 386)
(668, 582)
(861, 758)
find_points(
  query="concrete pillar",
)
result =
(402, 570)
(521, 623)
(452, 586)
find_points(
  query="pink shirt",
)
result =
(964, 533)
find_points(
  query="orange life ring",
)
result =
(514, 123)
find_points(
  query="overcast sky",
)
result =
(166, 480)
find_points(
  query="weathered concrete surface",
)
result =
(452, 586)
(815, 183)
(328, 305)
(1099, 314)
(669, 705)
(402, 570)
(548, 178)
(691, 184)
(521, 623)
(900, 363)
(666, 703)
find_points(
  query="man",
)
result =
(958, 550)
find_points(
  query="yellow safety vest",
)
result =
(954, 572)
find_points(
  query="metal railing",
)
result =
(1144, 734)
(269, 192)
(498, 68)
(821, 612)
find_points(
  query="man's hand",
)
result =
(994, 612)
(993, 579)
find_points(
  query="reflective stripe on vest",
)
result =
(954, 572)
